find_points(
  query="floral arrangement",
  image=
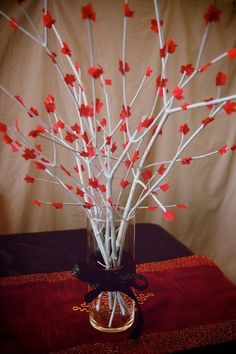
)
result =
(110, 150)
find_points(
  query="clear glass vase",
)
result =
(111, 311)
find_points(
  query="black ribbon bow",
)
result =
(113, 280)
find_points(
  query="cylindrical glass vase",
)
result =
(111, 247)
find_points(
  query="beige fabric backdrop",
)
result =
(206, 186)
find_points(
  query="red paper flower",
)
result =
(135, 156)
(231, 54)
(19, 99)
(33, 111)
(76, 128)
(154, 25)
(65, 49)
(79, 192)
(178, 93)
(70, 79)
(48, 21)
(69, 187)
(207, 120)
(102, 188)
(123, 68)
(65, 170)
(147, 122)
(34, 133)
(184, 106)
(169, 215)
(146, 175)
(161, 82)
(221, 79)
(127, 11)
(58, 125)
(152, 208)
(188, 69)
(186, 160)
(204, 67)
(70, 137)
(148, 72)
(53, 56)
(39, 166)
(161, 169)
(29, 154)
(124, 183)
(184, 128)
(13, 24)
(170, 46)
(3, 127)
(108, 82)
(95, 71)
(229, 107)
(213, 14)
(98, 105)
(35, 202)
(164, 187)
(222, 150)
(85, 110)
(125, 113)
(103, 122)
(49, 103)
(181, 206)
(57, 205)
(88, 13)
(29, 179)
(93, 182)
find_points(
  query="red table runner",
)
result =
(189, 303)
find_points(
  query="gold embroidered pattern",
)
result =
(145, 267)
(163, 342)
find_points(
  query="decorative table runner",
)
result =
(189, 303)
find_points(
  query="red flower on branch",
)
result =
(88, 13)
(169, 215)
(29, 154)
(186, 160)
(65, 170)
(102, 188)
(79, 192)
(221, 79)
(93, 182)
(58, 125)
(69, 187)
(231, 54)
(66, 49)
(70, 79)
(95, 71)
(181, 206)
(146, 175)
(49, 103)
(124, 183)
(178, 93)
(229, 107)
(164, 187)
(103, 122)
(19, 99)
(108, 82)
(184, 106)
(223, 149)
(188, 69)
(39, 166)
(76, 128)
(135, 156)
(13, 24)
(35, 202)
(3, 127)
(29, 179)
(33, 112)
(152, 208)
(85, 110)
(127, 11)
(70, 137)
(204, 67)
(154, 25)
(171, 46)
(161, 169)
(98, 105)
(123, 68)
(48, 21)
(147, 122)
(34, 133)
(184, 128)
(213, 14)
(53, 56)
(125, 113)
(57, 205)
(207, 120)
(148, 72)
